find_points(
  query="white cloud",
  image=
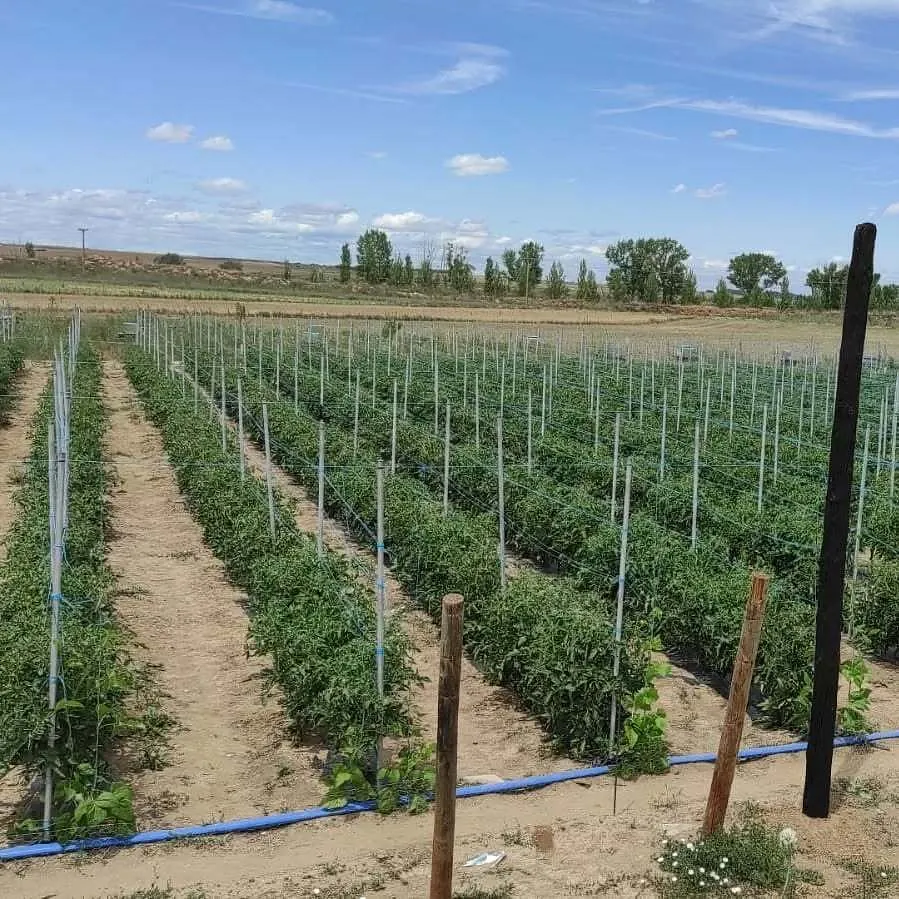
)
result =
(467, 164)
(220, 142)
(170, 133)
(709, 193)
(641, 132)
(404, 221)
(502, 241)
(272, 10)
(223, 185)
(347, 219)
(478, 67)
(678, 188)
(378, 154)
(892, 209)
(726, 134)
(714, 264)
(186, 217)
(890, 93)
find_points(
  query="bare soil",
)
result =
(231, 754)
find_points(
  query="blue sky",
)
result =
(272, 129)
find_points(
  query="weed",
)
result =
(873, 880)
(501, 892)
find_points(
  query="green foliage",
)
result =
(29, 249)
(169, 259)
(690, 293)
(587, 288)
(288, 271)
(647, 269)
(556, 288)
(408, 272)
(529, 267)
(752, 272)
(397, 272)
(346, 264)
(852, 718)
(312, 616)
(877, 614)
(490, 277)
(828, 285)
(459, 271)
(426, 276)
(317, 274)
(722, 296)
(645, 747)
(510, 261)
(231, 265)
(373, 254)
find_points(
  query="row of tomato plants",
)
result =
(694, 600)
(96, 676)
(546, 638)
(311, 615)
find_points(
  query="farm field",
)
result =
(222, 614)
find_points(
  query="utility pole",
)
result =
(83, 232)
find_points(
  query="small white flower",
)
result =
(674, 855)
(690, 846)
(702, 870)
(664, 842)
(725, 860)
(674, 879)
(788, 838)
(674, 864)
(883, 873)
(736, 890)
(722, 864)
(660, 859)
(702, 883)
(714, 875)
(725, 881)
(690, 872)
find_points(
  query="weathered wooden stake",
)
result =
(448, 689)
(732, 729)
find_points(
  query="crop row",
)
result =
(543, 637)
(312, 616)
(95, 674)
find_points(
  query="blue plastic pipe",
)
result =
(268, 822)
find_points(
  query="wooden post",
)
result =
(832, 563)
(732, 729)
(447, 744)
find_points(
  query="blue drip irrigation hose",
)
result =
(268, 822)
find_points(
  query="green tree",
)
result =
(459, 271)
(510, 261)
(828, 285)
(721, 296)
(29, 249)
(490, 277)
(397, 272)
(690, 293)
(556, 288)
(408, 271)
(288, 270)
(346, 264)
(587, 288)
(785, 298)
(373, 256)
(749, 272)
(530, 267)
(647, 269)
(426, 274)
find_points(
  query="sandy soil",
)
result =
(231, 754)
(561, 841)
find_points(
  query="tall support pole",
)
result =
(320, 521)
(530, 431)
(356, 417)
(240, 437)
(380, 581)
(694, 526)
(775, 460)
(895, 421)
(446, 462)
(761, 491)
(615, 446)
(448, 688)
(860, 517)
(619, 611)
(268, 472)
(732, 729)
(832, 564)
(393, 431)
(501, 502)
(223, 411)
(664, 435)
(477, 410)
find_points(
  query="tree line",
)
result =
(646, 270)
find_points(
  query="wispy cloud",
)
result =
(892, 209)
(411, 221)
(344, 92)
(272, 10)
(889, 93)
(220, 143)
(170, 133)
(377, 154)
(222, 186)
(480, 65)
(726, 134)
(709, 193)
(640, 132)
(470, 164)
(678, 188)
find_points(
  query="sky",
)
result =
(270, 129)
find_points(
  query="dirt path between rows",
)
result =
(231, 755)
(15, 447)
